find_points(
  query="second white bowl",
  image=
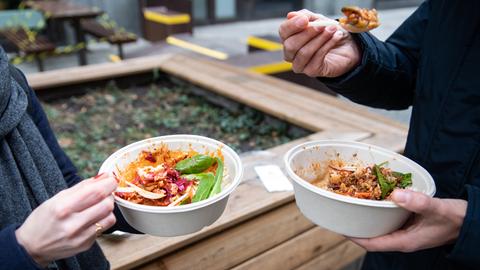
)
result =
(343, 214)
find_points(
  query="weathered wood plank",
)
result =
(89, 73)
(239, 243)
(297, 104)
(336, 258)
(289, 101)
(295, 252)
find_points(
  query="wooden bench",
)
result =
(110, 34)
(29, 43)
(20, 30)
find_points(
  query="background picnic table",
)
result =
(64, 10)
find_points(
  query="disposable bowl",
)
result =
(176, 220)
(343, 214)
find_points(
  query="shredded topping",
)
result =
(373, 182)
(163, 177)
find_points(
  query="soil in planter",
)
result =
(92, 126)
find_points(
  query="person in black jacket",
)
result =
(431, 63)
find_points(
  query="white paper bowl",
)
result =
(177, 220)
(343, 214)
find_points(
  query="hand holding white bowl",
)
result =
(179, 219)
(435, 222)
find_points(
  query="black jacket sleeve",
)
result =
(387, 74)
(467, 247)
(12, 255)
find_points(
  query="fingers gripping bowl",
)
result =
(347, 215)
(178, 219)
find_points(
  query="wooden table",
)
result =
(258, 230)
(63, 10)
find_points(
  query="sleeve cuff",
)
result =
(12, 254)
(467, 246)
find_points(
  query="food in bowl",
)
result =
(374, 182)
(346, 215)
(165, 177)
(177, 219)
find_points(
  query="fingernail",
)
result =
(338, 34)
(98, 175)
(331, 28)
(300, 21)
(401, 196)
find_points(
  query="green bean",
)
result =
(195, 164)
(217, 188)
(385, 186)
(404, 179)
(207, 180)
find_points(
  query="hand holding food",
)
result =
(436, 222)
(174, 185)
(356, 20)
(317, 51)
(337, 182)
(69, 222)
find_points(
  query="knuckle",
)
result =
(97, 195)
(282, 30)
(295, 68)
(288, 45)
(423, 203)
(110, 205)
(61, 211)
(106, 208)
(309, 72)
(301, 54)
(111, 220)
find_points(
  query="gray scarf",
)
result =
(29, 174)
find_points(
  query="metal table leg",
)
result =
(80, 39)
